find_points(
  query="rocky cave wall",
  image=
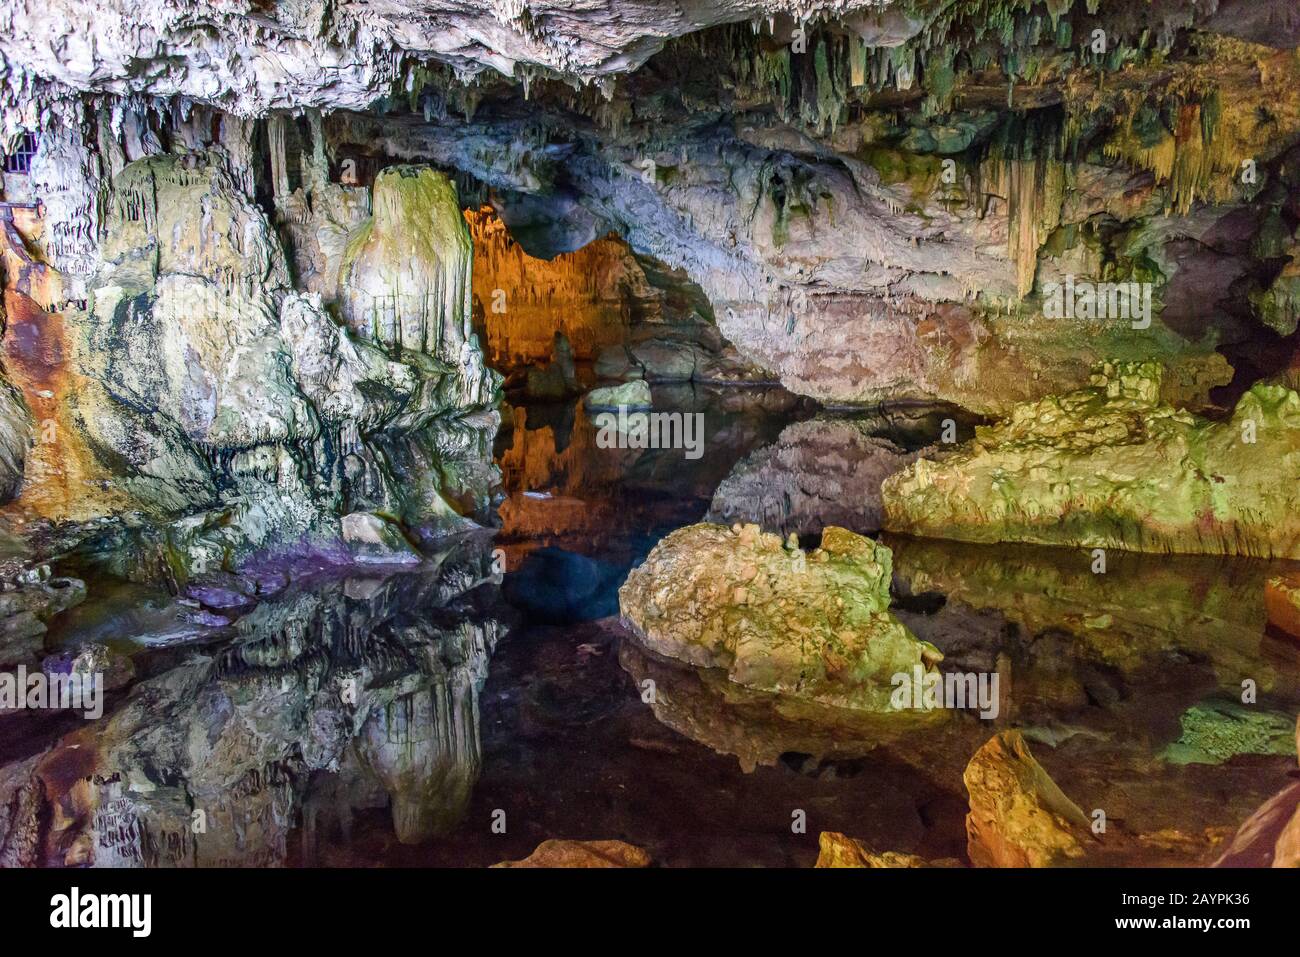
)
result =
(264, 309)
(240, 357)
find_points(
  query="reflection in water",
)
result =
(1126, 679)
(759, 727)
(1145, 611)
(827, 470)
(335, 695)
(564, 490)
(356, 720)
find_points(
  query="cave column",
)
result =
(279, 169)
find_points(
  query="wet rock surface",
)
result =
(837, 850)
(811, 625)
(1112, 466)
(583, 854)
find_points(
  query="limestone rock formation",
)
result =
(812, 625)
(1113, 466)
(555, 853)
(405, 279)
(630, 395)
(29, 598)
(876, 211)
(1018, 816)
(257, 256)
(822, 472)
(213, 389)
(839, 850)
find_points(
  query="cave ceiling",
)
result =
(872, 195)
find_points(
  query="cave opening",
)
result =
(555, 327)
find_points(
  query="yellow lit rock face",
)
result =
(810, 625)
(839, 850)
(1112, 466)
(581, 294)
(1018, 816)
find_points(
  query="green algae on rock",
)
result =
(405, 278)
(1214, 731)
(812, 625)
(1113, 466)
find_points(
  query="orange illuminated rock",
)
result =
(63, 479)
(1018, 816)
(840, 850)
(522, 298)
(583, 854)
(1282, 602)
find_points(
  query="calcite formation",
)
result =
(873, 197)
(217, 398)
(812, 625)
(1018, 816)
(257, 258)
(405, 279)
(1111, 466)
(838, 851)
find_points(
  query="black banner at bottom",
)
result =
(343, 907)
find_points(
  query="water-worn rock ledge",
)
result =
(1113, 466)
